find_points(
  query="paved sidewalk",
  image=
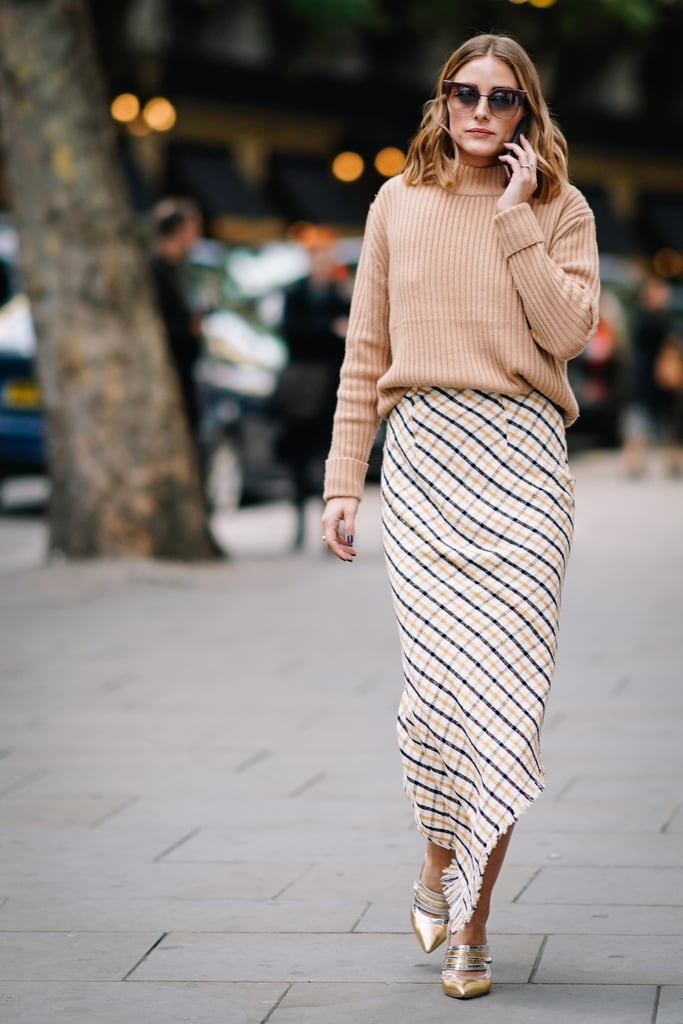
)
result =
(201, 816)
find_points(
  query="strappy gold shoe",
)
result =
(429, 916)
(466, 959)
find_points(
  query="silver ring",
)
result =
(526, 165)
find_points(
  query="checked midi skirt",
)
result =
(477, 509)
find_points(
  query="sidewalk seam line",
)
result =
(117, 810)
(537, 961)
(362, 915)
(664, 830)
(567, 787)
(308, 784)
(275, 1006)
(655, 1008)
(144, 956)
(14, 786)
(174, 846)
(527, 884)
(249, 762)
(281, 892)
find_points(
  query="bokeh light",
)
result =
(125, 107)
(517, 1)
(668, 262)
(159, 114)
(138, 126)
(348, 166)
(390, 161)
(542, 3)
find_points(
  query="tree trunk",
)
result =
(122, 465)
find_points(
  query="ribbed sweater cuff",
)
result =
(518, 229)
(344, 478)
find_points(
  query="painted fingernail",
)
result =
(349, 539)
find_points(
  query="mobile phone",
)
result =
(519, 130)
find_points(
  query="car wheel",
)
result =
(224, 483)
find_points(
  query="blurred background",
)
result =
(279, 116)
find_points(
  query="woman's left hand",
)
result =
(520, 164)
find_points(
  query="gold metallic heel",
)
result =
(466, 959)
(429, 917)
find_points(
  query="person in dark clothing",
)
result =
(654, 410)
(314, 325)
(177, 224)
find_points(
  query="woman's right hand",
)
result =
(339, 524)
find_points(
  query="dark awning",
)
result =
(662, 219)
(307, 190)
(614, 235)
(211, 177)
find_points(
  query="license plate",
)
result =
(21, 394)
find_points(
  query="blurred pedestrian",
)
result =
(314, 323)
(477, 281)
(655, 408)
(177, 225)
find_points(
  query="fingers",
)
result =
(339, 526)
(520, 157)
(520, 167)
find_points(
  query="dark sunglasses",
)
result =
(464, 98)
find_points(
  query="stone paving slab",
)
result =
(339, 958)
(670, 1010)
(130, 911)
(71, 956)
(374, 882)
(597, 849)
(149, 777)
(519, 918)
(52, 847)
(506, 1004)
(62, 812)
(128, 880)
(594, 918)
(151, 1003)
(296, 846)
(304, 812)
(611, 959)
(596, 816)
(643, 886)
(648, 789)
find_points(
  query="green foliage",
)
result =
(428, 15)
(328, 13)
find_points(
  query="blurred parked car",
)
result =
(21, 423)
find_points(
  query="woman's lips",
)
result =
(478, 131)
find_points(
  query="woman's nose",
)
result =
(482, 107)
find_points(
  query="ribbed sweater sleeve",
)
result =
(559, 284)
(367, 358)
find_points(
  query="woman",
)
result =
(478, 280)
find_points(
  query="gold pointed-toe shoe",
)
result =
(460, 961)
(429, 917)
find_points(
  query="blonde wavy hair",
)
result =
(432, 156)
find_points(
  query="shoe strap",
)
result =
(429, 902)
(466, 958)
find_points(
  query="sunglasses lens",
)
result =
(503, 103)
(463, 97)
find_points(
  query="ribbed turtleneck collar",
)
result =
(480, 181)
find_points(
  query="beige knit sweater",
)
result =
(451, 293)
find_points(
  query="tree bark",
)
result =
(122, 465)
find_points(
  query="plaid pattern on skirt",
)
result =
(477, 508)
